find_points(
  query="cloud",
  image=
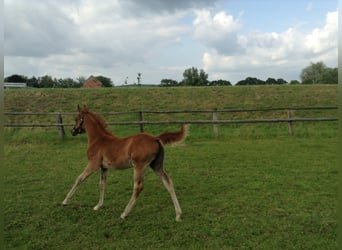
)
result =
(322, 40)
(263, 54)
(272, 47)
(88, 28)
(42, 29)
(85, 35)
(159, 38)
(218, 31)
(138, 7)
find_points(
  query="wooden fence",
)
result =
(215, 121)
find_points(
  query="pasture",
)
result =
(252, 187)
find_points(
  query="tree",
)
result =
(80, 81)
(271, 81)
(329, 76)
(319, 73)
(281, 81)
(194, 78)
(107, 82)
(139, 79)
(46, 82)
(313, 73)
(68, 83)
(203, 78)
(16, 78)
(293, 82)
(220, 83)
(251, 81)
(33, 82)
(168, 83)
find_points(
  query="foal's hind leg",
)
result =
(81, 178)
(157, 166)
(169, 186)
(138, 187)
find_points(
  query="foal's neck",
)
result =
(95, 132)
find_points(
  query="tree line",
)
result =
(315, 73)
(47, 81)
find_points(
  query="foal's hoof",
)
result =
(178, 219)
(96, 208)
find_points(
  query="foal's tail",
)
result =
(169, 138)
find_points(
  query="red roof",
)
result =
(92, 82)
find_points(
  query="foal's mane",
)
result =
(100, 122)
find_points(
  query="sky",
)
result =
(228, 39)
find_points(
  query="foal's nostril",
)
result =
(73, 132)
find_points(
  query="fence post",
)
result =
(215, 126)
(141, 118)
(60, 128)
(290, 124)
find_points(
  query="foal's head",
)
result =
(97, 121)
(78, 127)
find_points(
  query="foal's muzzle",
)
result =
(76, 131)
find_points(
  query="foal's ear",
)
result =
(78, 108)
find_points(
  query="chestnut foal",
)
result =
(139, 151)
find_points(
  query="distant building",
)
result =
(92, 82)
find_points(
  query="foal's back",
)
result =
(139, 149)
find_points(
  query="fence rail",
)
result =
(214, 121)
(179, 111)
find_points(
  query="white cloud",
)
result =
(89, 28)
(84, 36)
(322, 40)
(159, 38)
(266, 54)
(218, 31)
(37, 30)
(273, 47)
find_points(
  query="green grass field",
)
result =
(252, 187)
(158, 98)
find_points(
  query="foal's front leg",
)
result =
(81, 178)
(103, 178)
